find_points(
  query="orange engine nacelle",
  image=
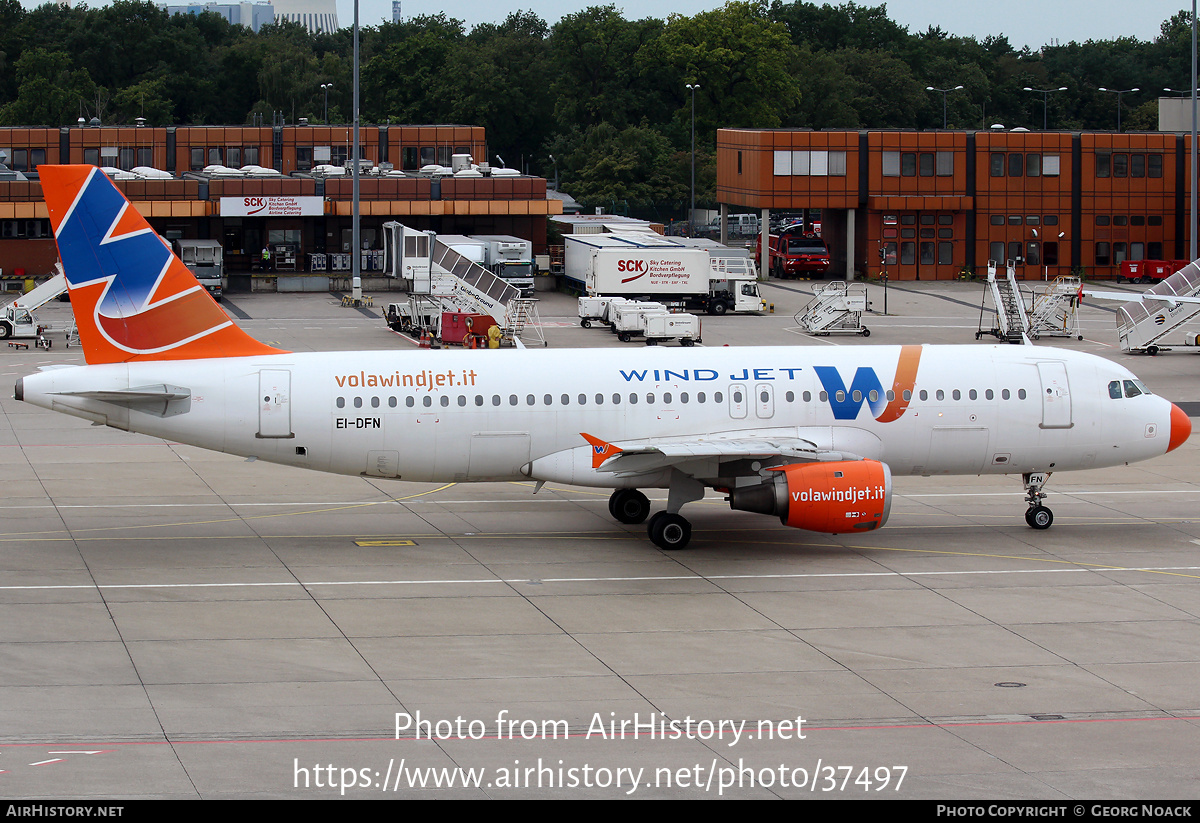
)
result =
(846, 496)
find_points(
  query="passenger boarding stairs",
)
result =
(43, 294)
(1055, 311)
(836, 307)
(1012, 324)
(456, 284)
(1143, 325)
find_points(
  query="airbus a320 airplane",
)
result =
(813, 437)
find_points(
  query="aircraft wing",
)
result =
(1134, 297)
(690, 454)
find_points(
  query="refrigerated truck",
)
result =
(651, 267)
(509, 258)
(204, 259)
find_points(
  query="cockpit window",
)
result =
(1114, 389)
(1131, 388)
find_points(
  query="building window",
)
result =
(1033, 253)
(926, 254)
(1103, 164)
(946, 254)
(1050, 165)
(1121, 220)
(1137, 165)
(1102, 220)
(1119, 253)
(92, 157)
(1050, 219)
(997, 164)
(1154, 164)
(945, 164)
(1050, 255)
(196, 159)
(214, 156)
(1155, 250)
(250, 155)
(1016, 164)
(1120, 165)
(927, 164)
(1137, 251)
(996, 251)
(997, 220)
(1102, 254)
(908, 254)
(1014, 252)
(304, 158)
(409, 159)
(891, 164)
(1033, 165)
(908, 164)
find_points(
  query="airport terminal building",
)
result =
(299, 198)
(936, 204)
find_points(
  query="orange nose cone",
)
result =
(1181, 428)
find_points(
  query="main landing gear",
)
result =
(668, 530)
(1037, 515)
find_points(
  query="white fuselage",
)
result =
(489, 415)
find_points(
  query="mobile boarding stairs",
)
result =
(442, 280)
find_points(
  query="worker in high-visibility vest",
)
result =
(493, 334)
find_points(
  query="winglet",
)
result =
(133, 298)
(601, 451)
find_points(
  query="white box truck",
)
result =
(205, 259)
(651, 267)
(511, 259)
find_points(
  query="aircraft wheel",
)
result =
(628, 506)
(669, 531)
(1039, 517)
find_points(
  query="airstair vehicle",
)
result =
(1054, 311)
(442, 280)
(1012, 323)
(836, 308)
(1155, 321)
(17, 319)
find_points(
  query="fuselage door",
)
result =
(1056, 395)
(274, 403)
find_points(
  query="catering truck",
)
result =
(647, 266)
(204, 259)
(509, 258)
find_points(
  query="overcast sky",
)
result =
(1030, 23)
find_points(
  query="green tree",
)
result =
(50, 90)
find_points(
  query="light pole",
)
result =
(1045, 93)
(325, 87)
(692, 87)
(1118, 93)
(945, 93)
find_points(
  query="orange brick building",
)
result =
(937, 203)
(189, 204)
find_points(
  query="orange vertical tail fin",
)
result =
(133, 298)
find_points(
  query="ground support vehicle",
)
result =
(204, 259)
(629, 319)
(836, 307)
(662, 328)
(793, 254)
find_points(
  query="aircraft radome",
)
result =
(812, 436)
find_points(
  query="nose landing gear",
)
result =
(1037, 515)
